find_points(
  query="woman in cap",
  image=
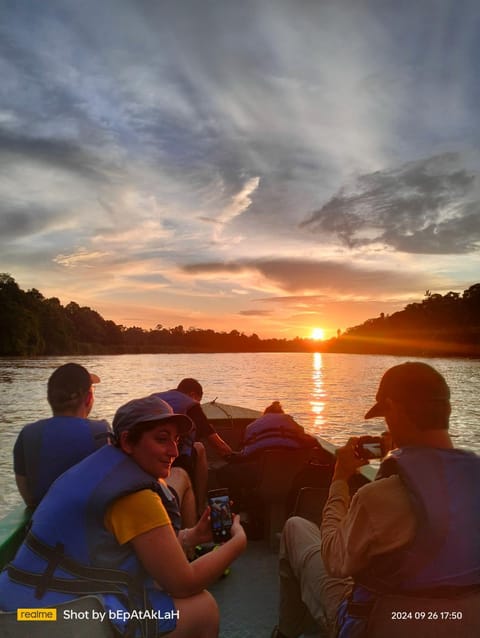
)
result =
(105, 528)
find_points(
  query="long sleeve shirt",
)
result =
(378, 519)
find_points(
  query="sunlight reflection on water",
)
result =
(327, 393)
(318, 393)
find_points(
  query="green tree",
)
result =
(19, 328)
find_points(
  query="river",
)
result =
(327, 393)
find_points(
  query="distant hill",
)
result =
(447, 325)
(32, 325)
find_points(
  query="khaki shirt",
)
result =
(379, 519)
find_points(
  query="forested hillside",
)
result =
(444, 325)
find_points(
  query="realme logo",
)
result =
(36, 614)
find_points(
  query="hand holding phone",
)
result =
(220, 514)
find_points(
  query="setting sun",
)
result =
(318, 334)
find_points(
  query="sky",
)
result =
(269, 166)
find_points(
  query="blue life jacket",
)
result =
(53, 445)
(180, 404)
(275, 430)
(68, 552)
(444, 557)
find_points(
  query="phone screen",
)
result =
(371, 451)
(369, 447)
(220, 514)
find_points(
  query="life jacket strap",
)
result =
(57, 558)
(63, 585)
(54, 560)
(360, 609)
(87, 580)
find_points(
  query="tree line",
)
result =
(439, 325)
(32, 325)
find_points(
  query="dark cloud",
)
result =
(58, 153)
(154, 278)
(429, 206)
(216, 267)
(20, 222)
(305, 275)
(296, 300)
(255, 313)
(19, 255)
(23, 221)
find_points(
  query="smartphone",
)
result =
(369, 447)
(220, 514)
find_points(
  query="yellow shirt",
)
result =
(134, 514)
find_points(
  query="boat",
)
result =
(248, 596)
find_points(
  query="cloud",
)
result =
(82, 257)
(62, 154)
(23, 221)
(240, 202)
(137, 137)
(430, 206)
(156, 279)
(309, 276)
(255, 313)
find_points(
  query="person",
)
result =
(45, 449)
(104, 528)
(274, 429)
(179, 481)
(185, 399)
(415, 529)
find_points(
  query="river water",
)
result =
(326, 393)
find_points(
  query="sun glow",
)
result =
(318, 334)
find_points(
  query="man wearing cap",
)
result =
(192, 458)
(46, 448)
(416, 528)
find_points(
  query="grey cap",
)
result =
(146, 410)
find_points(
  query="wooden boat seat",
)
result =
(280, 468)
(398, 616)
(10, 627)
(310, 503)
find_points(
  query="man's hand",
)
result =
(220, 445)
(347, 461)
(387, 442)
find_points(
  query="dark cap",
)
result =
(146, 410)
(69, 382)
(410, 383)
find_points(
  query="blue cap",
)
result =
(146, 410)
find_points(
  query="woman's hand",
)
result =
(202, 532)
(238, 532)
